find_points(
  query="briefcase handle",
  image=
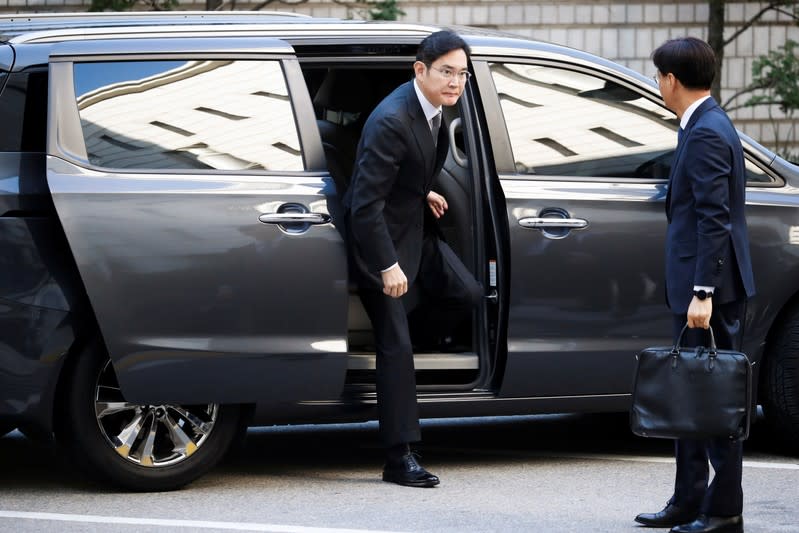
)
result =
(712, 350)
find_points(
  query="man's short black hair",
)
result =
(691, 60)
(438, 44)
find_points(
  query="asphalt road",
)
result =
(547, 474)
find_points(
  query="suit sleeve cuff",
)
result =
(389, 268)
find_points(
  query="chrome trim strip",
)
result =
(371, 397)
(266, 29)
(421, 361)
(537, 223)
(288, 218)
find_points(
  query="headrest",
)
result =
(344, 90)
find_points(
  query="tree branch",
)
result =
(262, 5)
(741, 106)
(748, 24)
(748, 89)
(787, 13)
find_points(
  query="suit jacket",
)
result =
(706, 240)
(386, 200)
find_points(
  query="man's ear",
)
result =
(418, 68)
(673, 81)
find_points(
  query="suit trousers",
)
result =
(441, 275)
(724, 495)
(443, 296)
(397, 410)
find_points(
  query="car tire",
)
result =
(781, 384)
(137, 447)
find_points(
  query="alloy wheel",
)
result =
(150, 435)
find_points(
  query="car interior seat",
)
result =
(341, 103)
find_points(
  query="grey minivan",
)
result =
(173, 269)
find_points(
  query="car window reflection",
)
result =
(227, 115)
(568, 123)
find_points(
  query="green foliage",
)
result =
(384, 10)
(127, 5)
(777, 74)
(775, 77)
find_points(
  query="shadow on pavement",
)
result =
(302, 449)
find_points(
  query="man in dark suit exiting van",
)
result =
(402, 148)
(708, 273)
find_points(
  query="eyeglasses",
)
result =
(448, 74)
(656, 77)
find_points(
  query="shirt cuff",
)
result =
(704, 288)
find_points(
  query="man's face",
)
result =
(443, 81)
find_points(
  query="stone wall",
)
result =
(624, 31)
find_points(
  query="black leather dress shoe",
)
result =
(712, 524)
(407, 471)
(670, 516)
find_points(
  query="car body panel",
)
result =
(196, 298)
(604, 281)
(584, 300)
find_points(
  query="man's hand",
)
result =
(395, 284)
(699, 312)
(437, 203)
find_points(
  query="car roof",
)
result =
(54, 27)
(50, 29)
(59, 27)
(70, 26)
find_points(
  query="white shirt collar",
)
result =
(429, 109)
(690, 111)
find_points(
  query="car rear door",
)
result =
(582, 160)
(188, 176)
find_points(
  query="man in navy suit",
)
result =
(402, 148)
(708, 273)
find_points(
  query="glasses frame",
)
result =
(462, 77)
(656, 77)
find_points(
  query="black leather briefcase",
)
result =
(691, 393)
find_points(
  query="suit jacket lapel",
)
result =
(703, 108)
(421, 132)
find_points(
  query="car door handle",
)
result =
(539, 222)
(288, 218)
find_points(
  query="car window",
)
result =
(179, 114)
(567, 123)
(756, 175)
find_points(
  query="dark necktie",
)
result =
(435, 125)
(680, 133)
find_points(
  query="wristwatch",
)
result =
(702, 294)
